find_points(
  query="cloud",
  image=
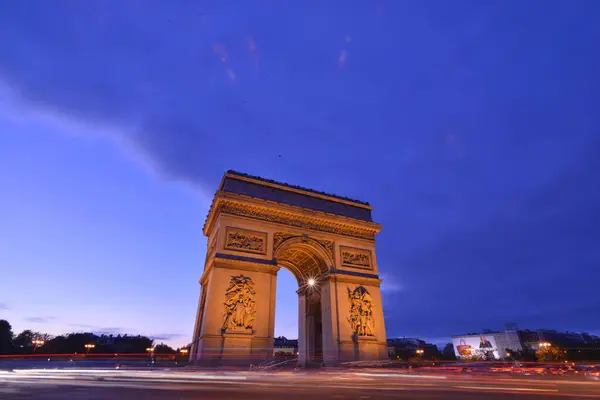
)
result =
(99, 330)
(108, 330)
(390, 284)
(103, 330)
(4, 306)
(40, 320)
(166, 336)
(81, 325)
(481, 229)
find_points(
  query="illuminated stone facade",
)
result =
(256, 226)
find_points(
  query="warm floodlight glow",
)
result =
(311, 282)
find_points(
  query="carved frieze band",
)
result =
(356, 258)
(360, 309)
(245, 240)
(293, 220)
(280, 237)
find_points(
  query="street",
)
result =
(357, 384)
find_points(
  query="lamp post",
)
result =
(89, 347)
(37, 343)
(420, 352)
(150, 351)
(544, 347)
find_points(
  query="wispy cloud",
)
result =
(40, 320)
(390, 284)
(81, 325)
(108, 331)
(99, 330)
(4, 306)
(166, 336)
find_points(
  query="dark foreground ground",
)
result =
(372, 385)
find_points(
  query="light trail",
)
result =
(506, 388)
(402, 376)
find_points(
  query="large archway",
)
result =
(310, 264)
(257, 226)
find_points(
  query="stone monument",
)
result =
(254, 227)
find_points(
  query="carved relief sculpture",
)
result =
(279, 238)
(356, 258)
(328, 246)
(232, 208)
(240, 305)
(361, 312)
(245, 240)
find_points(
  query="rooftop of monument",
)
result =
(279, 192)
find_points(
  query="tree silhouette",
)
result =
(164, 349)
(6, 337)
(448, 352)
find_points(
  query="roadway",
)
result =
(323, 384)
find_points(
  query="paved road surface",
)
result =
(159, 385)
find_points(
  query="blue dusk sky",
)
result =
(472, 127)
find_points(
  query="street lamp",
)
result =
(150, 351)
(36, 343)
(420, 352)
(89, 346)
(544, 345)
(183, 351)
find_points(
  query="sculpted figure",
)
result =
(240, 307)
(361, 312)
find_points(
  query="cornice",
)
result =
(270, 211)
(296, 189)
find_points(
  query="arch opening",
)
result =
(309, 265)
(305, 259)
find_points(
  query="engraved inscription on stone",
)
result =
(240, 305)
(356, 258)
(245, 240)
(360, 306)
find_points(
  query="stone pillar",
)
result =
(196, 335)
(220, 344)
(353, 346)
(330, 323)
(302, 332)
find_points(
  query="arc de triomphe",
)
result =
(256, 226)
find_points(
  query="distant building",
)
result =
(490, 345)
(497, 345)
(405, 348)
(285, 346)
(531, 339)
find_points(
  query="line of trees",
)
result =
(29, 342)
